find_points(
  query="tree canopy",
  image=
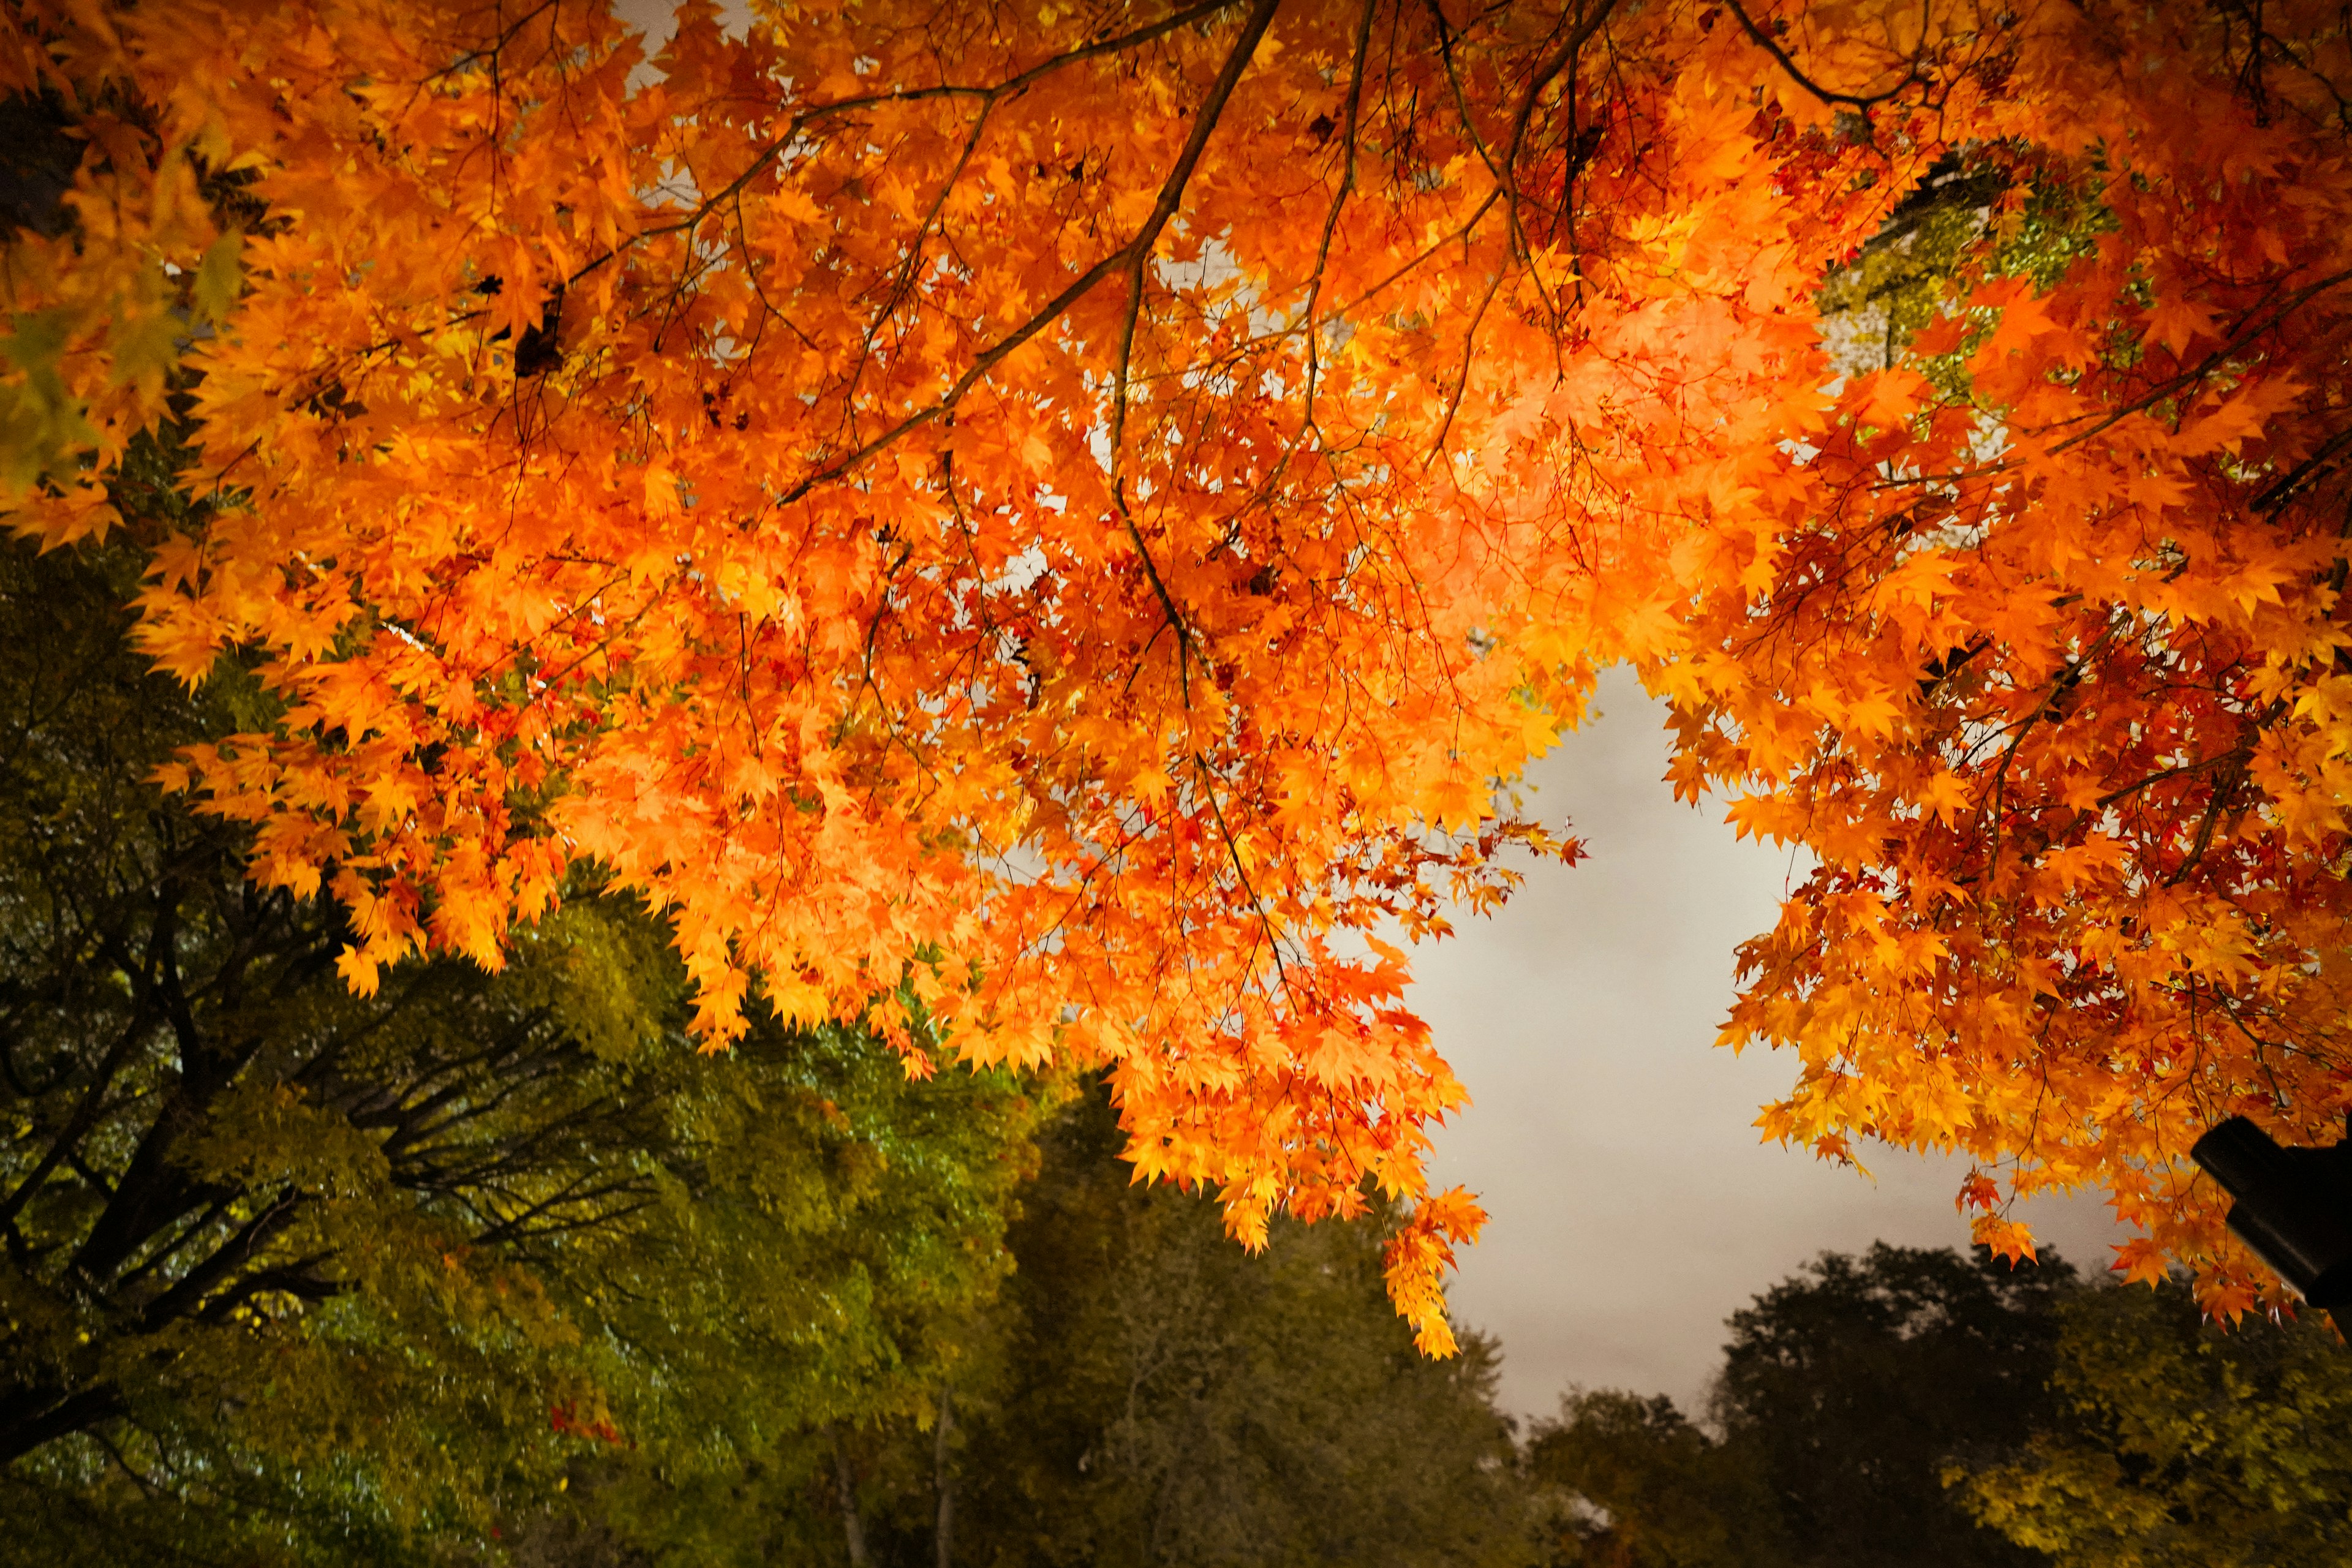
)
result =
(1846, 1391)
(1905, 1407)
(1165, 1399)
(2171, 1439)
(1065, 523)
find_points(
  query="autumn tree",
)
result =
(1077, 518)
(2039, 652)
(878, 489)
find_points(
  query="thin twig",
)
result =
(1339, 200)
(1139, 257)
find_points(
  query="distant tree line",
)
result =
(1916, 1409)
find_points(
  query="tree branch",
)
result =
(1765, 42)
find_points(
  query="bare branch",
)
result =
(1765, 41)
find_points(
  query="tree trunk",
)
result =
(943, 1479)
(31, 1416)
(853, 1526)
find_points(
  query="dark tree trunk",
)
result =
(943, 1477)
(846, 1486)
(32, 1416)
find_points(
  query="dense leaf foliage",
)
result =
(2173, 1442)
(1142, 1393)
(2041, 658)
(1861, 1377)
(292, 1274)
(1165, 1399)
(1069, 519)
(1871, 1407)
(1648, 1488)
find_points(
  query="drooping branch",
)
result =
(1860, 102)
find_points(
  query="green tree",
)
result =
(296, 1275)
(2179, 1443)
(1854, 1381)
(1650, 1488)
(1845, 1392)
(1162, 1398)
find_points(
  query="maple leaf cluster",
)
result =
(2039, 653)
(1083, 514)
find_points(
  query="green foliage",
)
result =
(1845, 1392)
(1652, 1489)
(296, 1276)
(1164, 1398)
(40, 419)
(816, 1267)
(1873, 307)
(1855, 1381)
(2003, 213)
(2179, 1443)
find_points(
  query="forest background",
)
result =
(880, 545)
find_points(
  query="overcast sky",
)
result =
(1631, 1207)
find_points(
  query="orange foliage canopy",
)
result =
(1071, 517)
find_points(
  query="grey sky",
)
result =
(1631, 1207)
